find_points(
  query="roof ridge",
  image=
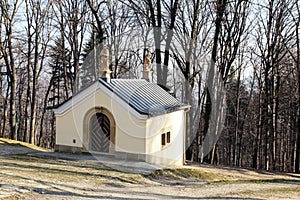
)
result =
(143, 96)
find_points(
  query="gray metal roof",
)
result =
(145, 97)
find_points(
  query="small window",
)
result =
(163, 139)
(168, 137)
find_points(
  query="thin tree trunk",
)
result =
(237, 116)
(5, 106)
(40, 143)
(13, 116)
(35, 78)
(26, 137)
(297, 159)
(20, 131)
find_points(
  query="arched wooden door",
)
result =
(99, 131)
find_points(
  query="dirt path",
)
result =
(228, 191)
(27, 173)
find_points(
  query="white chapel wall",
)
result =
(129, 130)
(170, 153)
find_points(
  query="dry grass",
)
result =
(23, 144)
(187, 173)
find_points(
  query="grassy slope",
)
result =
(53, 175)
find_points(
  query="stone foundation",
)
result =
(130, 156)
(67, 149)
(124, 155)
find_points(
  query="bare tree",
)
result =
(110, 20)
(38, 33)
(272, 52)
(193, 36)
(229, 32)
(9, 11)
(72, 17)
(295, 55)
(161, 17)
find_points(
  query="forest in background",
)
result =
(254, 45)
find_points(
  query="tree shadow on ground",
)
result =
(245, 171)
(54, 188)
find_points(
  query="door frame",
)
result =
(86, 128)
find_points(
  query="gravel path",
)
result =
(228, 191)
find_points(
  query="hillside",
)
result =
(29, 172)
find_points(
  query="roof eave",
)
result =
(186, 108)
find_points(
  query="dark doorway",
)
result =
(99, 133)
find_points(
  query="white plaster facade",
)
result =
(132, 135)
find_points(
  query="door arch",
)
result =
(99, 131)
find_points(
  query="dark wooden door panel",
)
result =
(100, 133)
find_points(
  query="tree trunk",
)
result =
(221, 6)
(40, 142)
(297, 159)
(33, 113)
(13, 116)
(26, 137)
(5, 106)
(237, 118)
